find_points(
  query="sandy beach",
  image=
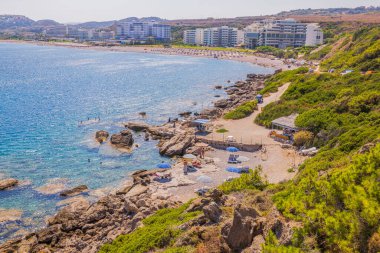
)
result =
(275, 161)
(223, 55)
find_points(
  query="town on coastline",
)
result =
(132, 31)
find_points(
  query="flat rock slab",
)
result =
(74, 191)
(50, 189)
(8, 183)
(137, 190)
(73, 200)
(7, 215)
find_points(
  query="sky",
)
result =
(101, 10)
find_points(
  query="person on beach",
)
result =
(202, 153)
(185, 167)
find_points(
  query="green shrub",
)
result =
(249, 181)
(242, 111)
(222, 130)
(272, 84)
(183, 249)
(343, 207)
(159, 231)
(303, 138)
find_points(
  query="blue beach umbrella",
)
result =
(164, 166)
(232, 149)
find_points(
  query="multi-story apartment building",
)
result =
(215, 37)
(143, 30)
(100, 35)
(314, 35)
(59, 31)
(281, 34)
(189, 37)
(161, 32)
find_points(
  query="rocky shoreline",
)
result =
(81, 226)
(84, 227)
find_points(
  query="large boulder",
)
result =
(137, 126)
(161, 132)
(245, 226)
(211, 113)
(212, 212)
(280, 227)
(7, 183)
(101, 136)
(74, 191)
(222, 103)
(177, 145)
(124, 139)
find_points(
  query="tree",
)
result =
(303, 138)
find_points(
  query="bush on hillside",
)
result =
(242, 111)
(159, 231)
(249, 181)
(303, 138)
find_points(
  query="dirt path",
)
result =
(275, 162)
(245, 130)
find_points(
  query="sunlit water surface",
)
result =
(46, 91)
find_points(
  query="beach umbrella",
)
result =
(242, 159)
(164, 166)
(189, 156)
(204, 179)
(232, 149)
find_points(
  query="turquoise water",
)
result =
(46, 91)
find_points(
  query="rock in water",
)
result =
(124, 139)
(223, 103)
(137, 126)
(101, 136)
(7, 215)
(75, 191)
(7, 183)
(185, 114)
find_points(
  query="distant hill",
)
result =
(95, 24)
(45, 22)
(14, 21)
(330, 11)
(359, 14)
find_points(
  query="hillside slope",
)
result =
(332, 205)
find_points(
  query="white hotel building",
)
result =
(282, 34)
(214, 37)
(143, 31)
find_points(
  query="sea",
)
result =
(54, 99)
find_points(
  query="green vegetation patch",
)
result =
(276, 81)
(249, 181)
(342, 207)
(159, 231)
(360, 51)
(242, 111)
(336, 194)
(222, 131)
